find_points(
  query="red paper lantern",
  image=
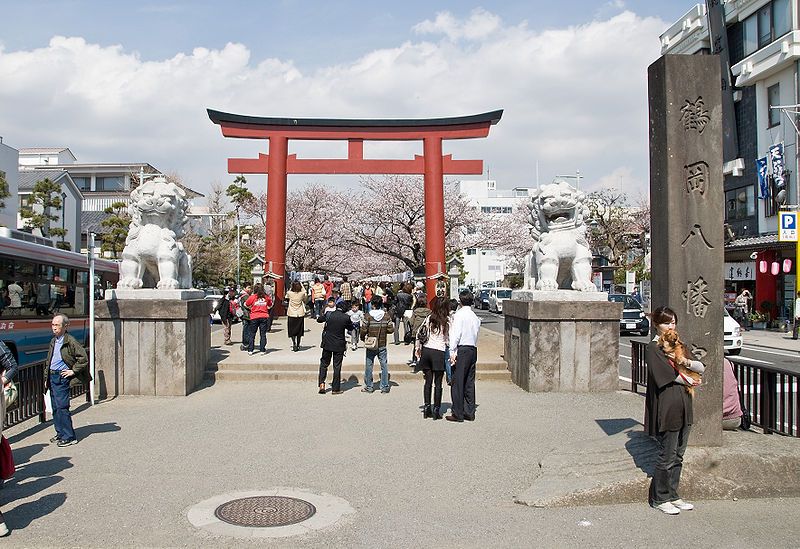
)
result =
(776, 268)
(787, 265)
(762, 266)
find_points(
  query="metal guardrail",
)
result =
(769, 394)
(30, 400)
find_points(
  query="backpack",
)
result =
(243, 308)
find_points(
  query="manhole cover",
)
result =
(265, 511)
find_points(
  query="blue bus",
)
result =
(37, 281)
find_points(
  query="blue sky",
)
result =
(312, 33)
(130, 81)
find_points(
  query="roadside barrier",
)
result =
(769, 394)
(30, 402)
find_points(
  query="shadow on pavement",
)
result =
(21, 516)
(85, 431)
(616, 426)
(643, 450)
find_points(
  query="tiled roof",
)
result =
(92, 221)
(757, 242)
(27, 179)
(42, 150)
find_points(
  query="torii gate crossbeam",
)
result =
(277, 164)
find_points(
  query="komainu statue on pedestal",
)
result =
(153, 257)
(561, 258)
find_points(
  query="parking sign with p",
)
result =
(787, 227)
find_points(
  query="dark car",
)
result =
(633, 318)
(482, 300)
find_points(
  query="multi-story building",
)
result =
(763, 52)
(9, 169)
(485, 266)
(100, 184)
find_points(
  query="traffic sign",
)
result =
(787, 222)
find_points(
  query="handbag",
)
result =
(422, 333)
(6, 459)
(371, 343)
(746, 420)
(10, 394)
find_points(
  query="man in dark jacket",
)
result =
(333, 346)
(67, 365)
(226, 313)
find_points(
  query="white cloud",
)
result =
(480, 24)
(574, 98)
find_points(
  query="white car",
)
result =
(496, 297)
(733, 334)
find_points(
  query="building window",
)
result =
(767, 25)
(740, 203)
(472, 251)
(773, 99)
(83, 183)
(116, 183)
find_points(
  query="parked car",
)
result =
(633, 318)
(732, 342)
(482, 300)
(496, 297)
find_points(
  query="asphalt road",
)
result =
(761, 356)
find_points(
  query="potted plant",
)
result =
(758, 319)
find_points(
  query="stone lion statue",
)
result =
(153, 257)
(561, 258)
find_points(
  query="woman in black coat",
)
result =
(668, 413)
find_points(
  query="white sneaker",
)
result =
(683, 505)
(668, 508)
(251, 353)
(3, 529)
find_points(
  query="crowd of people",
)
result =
(442, 333)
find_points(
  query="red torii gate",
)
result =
(278, 164)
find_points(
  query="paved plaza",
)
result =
(144, 463)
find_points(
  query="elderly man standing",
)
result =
(67, 366)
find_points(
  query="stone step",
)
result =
(254, 365)
(311, 376)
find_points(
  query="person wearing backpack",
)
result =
(418, 317)
(375, 327)
(226, 307)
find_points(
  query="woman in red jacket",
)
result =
(259, 304)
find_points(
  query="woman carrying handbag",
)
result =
(9, 368)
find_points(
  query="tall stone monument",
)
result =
(561, 334)
(152, 333)
(686, 197)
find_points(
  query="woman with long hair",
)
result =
(295, 313)
(430, 355)
(668, 415)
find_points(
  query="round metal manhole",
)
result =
(265, 511)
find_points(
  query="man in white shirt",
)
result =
(464, 357)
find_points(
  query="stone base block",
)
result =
(564, 346)
(151, 346)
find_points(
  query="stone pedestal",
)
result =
(151, 344)
(565, 346)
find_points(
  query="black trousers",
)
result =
(667, 473)
(462, 390)
(325, 361)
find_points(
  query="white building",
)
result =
(69, 216)
(763, 50)
(9, 169)
(484, 265)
